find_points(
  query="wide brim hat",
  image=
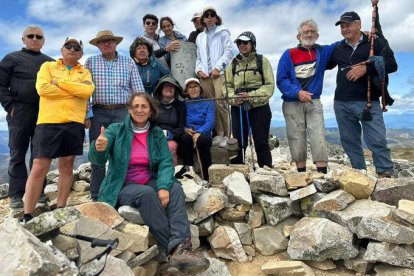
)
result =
(104, 35)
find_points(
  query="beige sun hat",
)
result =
(106, 34)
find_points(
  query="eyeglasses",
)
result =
(153, 23)
(309, 32)
(240, 42)
(77, 48)
(210, 14)
(107, 41)
(31, 36)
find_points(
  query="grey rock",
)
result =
(23, 254)
(334, 201)
(391, 190)
(51, 188)
(144, 257)
(398, 255)
(328, 264)
(101, 211)
(67, 267)
(358, 264)
(191, 189)
(405, 210)
(111, 265)
(387, 270)
(357, 183)
(52, 175)
(206, 227)
(324, 185)
(217, 173)
(256, 216)
(84, 167)
(138, 234)
(195, 241)
(287, 268)
(226, 244)
(296, 180)
(244, 231)
(319, 239)
(364, 218)
(85, 175)
(4, 190)
(131, 214)
(238, 190)
(190, 212)
(271, 183)
(302, 192)
(275, 208)
(269, 240)
(81, 186)
(50, 221)
(307, 203)
(216, 267)
(208, 203)
(231, 214)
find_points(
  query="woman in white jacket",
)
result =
(214, 53)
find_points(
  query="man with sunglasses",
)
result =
(116, 77)
(20, 100)
(64, 87)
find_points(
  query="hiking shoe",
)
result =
(181, 172)
(385, 174)
(184, 259)
(43, 199)
(26, 218)
(223, 142)
(217, 140)
(16, 202)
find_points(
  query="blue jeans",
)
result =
(169, 225)
(348, 116)
(102, 117)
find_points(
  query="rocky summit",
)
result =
(278, 221)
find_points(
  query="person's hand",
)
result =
(164, 197)
(356, 72)
(87, 123)
(54, 82)
(242, 97)
(202, 75)
(101, 143)
(189, 131)
(305, 96)
(173, 46)
(215, 73)
(195, 138)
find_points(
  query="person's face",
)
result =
(141, 52)
(210, 18)
(351, 30)
(193, 90)
(140, 111)
(197, 23)
(308, 36)
(71, 52)
(107, 46)
(33, 39)
(168, 91)
(167, 27)
(150, 26)
(245, 47)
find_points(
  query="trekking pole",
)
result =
(198, 157)
(253, 98)
(249, 129)
(241, 132)
(227, 100)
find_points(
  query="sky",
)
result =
(273, 22)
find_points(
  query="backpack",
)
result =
(259, 66)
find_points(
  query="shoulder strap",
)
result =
(259, 64)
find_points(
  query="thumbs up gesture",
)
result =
(101, 142)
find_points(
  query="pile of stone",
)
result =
(346, 218)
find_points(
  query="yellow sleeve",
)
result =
(45, 88)
(230, 84)
(78, 89)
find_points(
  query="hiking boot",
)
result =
(16, 202)
(181, 172)
(43, 199)
(223, 142)
(26, 218)
(184, 259)
(385, 174)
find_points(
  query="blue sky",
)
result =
(273, 22)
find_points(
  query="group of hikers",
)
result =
(141, 119)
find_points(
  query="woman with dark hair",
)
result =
(171, 117)
(150, 69)
(141, 175)
(171, 39)
(198, 128)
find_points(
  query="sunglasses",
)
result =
(153, 23)
(210, 14)
(77, 48)
(240, 42)
(31, 36)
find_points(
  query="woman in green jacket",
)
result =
(141, 175)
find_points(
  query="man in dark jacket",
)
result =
(351, 95)
(20, 100)
(198, 27)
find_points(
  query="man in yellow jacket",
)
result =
(64, 86)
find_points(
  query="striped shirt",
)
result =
(114, 80)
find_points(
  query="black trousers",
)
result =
(203, 146)
(21, 131)
(259, 118)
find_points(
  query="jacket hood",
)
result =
(169, 79)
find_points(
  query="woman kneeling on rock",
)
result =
(141, 175)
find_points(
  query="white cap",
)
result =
(72, 39)
(187, 81)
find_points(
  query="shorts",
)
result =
(58, 140)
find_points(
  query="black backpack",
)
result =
(259, 66)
